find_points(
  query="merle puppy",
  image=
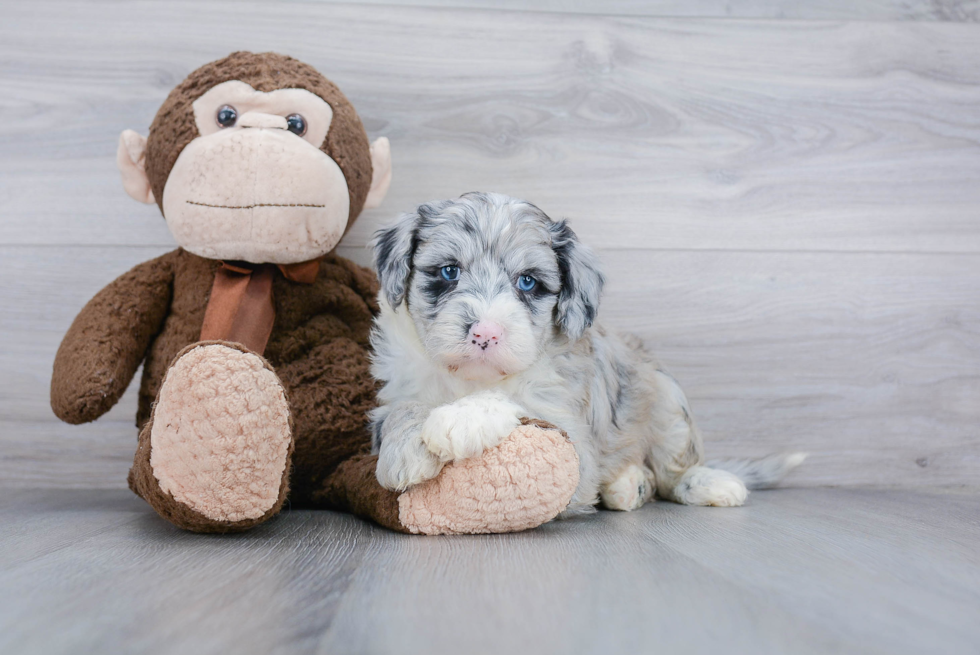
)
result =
(488, 314)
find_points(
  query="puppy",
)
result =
(488, 312)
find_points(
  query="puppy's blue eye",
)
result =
(450, 273)
(526, 283)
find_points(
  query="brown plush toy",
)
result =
(253, 335)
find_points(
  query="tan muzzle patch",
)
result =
(256, 194)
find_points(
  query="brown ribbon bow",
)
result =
(240, 308)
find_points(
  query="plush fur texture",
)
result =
(457, 268)
(269, 166)
(516, 485)
(108, 339)
(523, 482)
(145, 483)
(174, 126)
(221, 433)
(354, 488)
(252, 189)
(318, 348)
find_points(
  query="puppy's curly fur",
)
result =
(488, 312)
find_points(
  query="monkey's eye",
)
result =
(226, 116)
(296, 124)
(450, 273)
(526, 283)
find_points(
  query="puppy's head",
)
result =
(488, 281)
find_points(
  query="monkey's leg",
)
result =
(526, 480)
(353, 488)
(215, 454)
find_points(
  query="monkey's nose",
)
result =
(258, 119)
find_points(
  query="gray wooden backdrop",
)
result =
(786, 194)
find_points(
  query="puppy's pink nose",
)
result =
(485, 335)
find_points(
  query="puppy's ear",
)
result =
(581, 282)
(394, 248)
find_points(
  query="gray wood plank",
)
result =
(677, 133)
(163, 590)
(869, 362)
(878, 10)
(802, 571)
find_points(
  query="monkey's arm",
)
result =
(108, 340)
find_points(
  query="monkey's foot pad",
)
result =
(527, 480)
(220, 439)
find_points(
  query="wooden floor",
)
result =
(795, 571)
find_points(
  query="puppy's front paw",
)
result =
(401, 468)
(470, 425)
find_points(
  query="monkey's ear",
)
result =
(381, 178)
(130, 158)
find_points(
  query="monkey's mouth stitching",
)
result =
(260, 204)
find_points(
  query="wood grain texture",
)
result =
(877, 10)
(795, 571)
(868, 362)
(788, 210)
(680, 133)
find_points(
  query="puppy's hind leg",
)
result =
(630, 490)
(701, 485)
(678, 452)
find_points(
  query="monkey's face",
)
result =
(256, 158)
(255, 185)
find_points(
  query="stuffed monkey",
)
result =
(253, 334)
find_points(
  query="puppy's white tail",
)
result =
(760, 473)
